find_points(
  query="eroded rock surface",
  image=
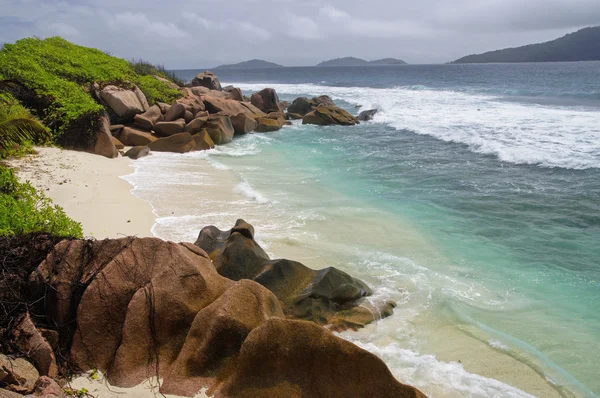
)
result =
(327, 297)
(136, 308)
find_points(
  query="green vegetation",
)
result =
(58, 76)
(24, 210)
(19, 130)
(583, 45)
(145, 68)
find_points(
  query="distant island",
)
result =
(583, 45)
(352, 61)
(253, 63)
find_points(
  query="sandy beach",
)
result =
(89, 190)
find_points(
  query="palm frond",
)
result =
(19, 130)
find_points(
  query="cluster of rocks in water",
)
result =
(205, 116)
(217, 314)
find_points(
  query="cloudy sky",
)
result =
(204, 33)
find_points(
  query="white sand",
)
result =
(100, 388)
(90, 191)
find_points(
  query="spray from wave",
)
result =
(520, 133)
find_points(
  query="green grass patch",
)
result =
(60, 75)
(24, 210)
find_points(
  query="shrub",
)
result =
(60, 75)
(24, 210)
(146, 68)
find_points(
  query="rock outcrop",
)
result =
(329, 296)
(365, 116)
(220, 129)
(302, 105)
(133, 137)
(322, 365)
(266, 100)
(235, 93)
(329, 115)
(29, 339)
(196, 125)
(207, 79)
(137, 152)
(104, 144)
(125, 103)
(203, 141)
(166, 129)
(231, 107)
(243, 124)
(148, 119)
(135, 308)
(267, 125)
(178, 143)
(17, 375)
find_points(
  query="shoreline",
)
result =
(221, 184)
(90, 189)
(81, 182)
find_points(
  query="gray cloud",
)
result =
(202, 33)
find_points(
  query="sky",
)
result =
(190, 34)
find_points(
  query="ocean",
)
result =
(472, 199)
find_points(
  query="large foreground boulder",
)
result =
(178, 143)
(207, 79)
(266, 100)
(322, 365)
(329, 115)
(328, 296)
(136, 308)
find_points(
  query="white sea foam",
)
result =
(246, 189)
(434, 377)
(522, 133)
(497, 344)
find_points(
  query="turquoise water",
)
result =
(473, 199)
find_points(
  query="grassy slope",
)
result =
(60, 74)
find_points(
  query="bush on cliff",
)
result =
(146, 68)
(24, 210)
(53, 77)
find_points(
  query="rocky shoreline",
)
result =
(205, 116)
(217, 314)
